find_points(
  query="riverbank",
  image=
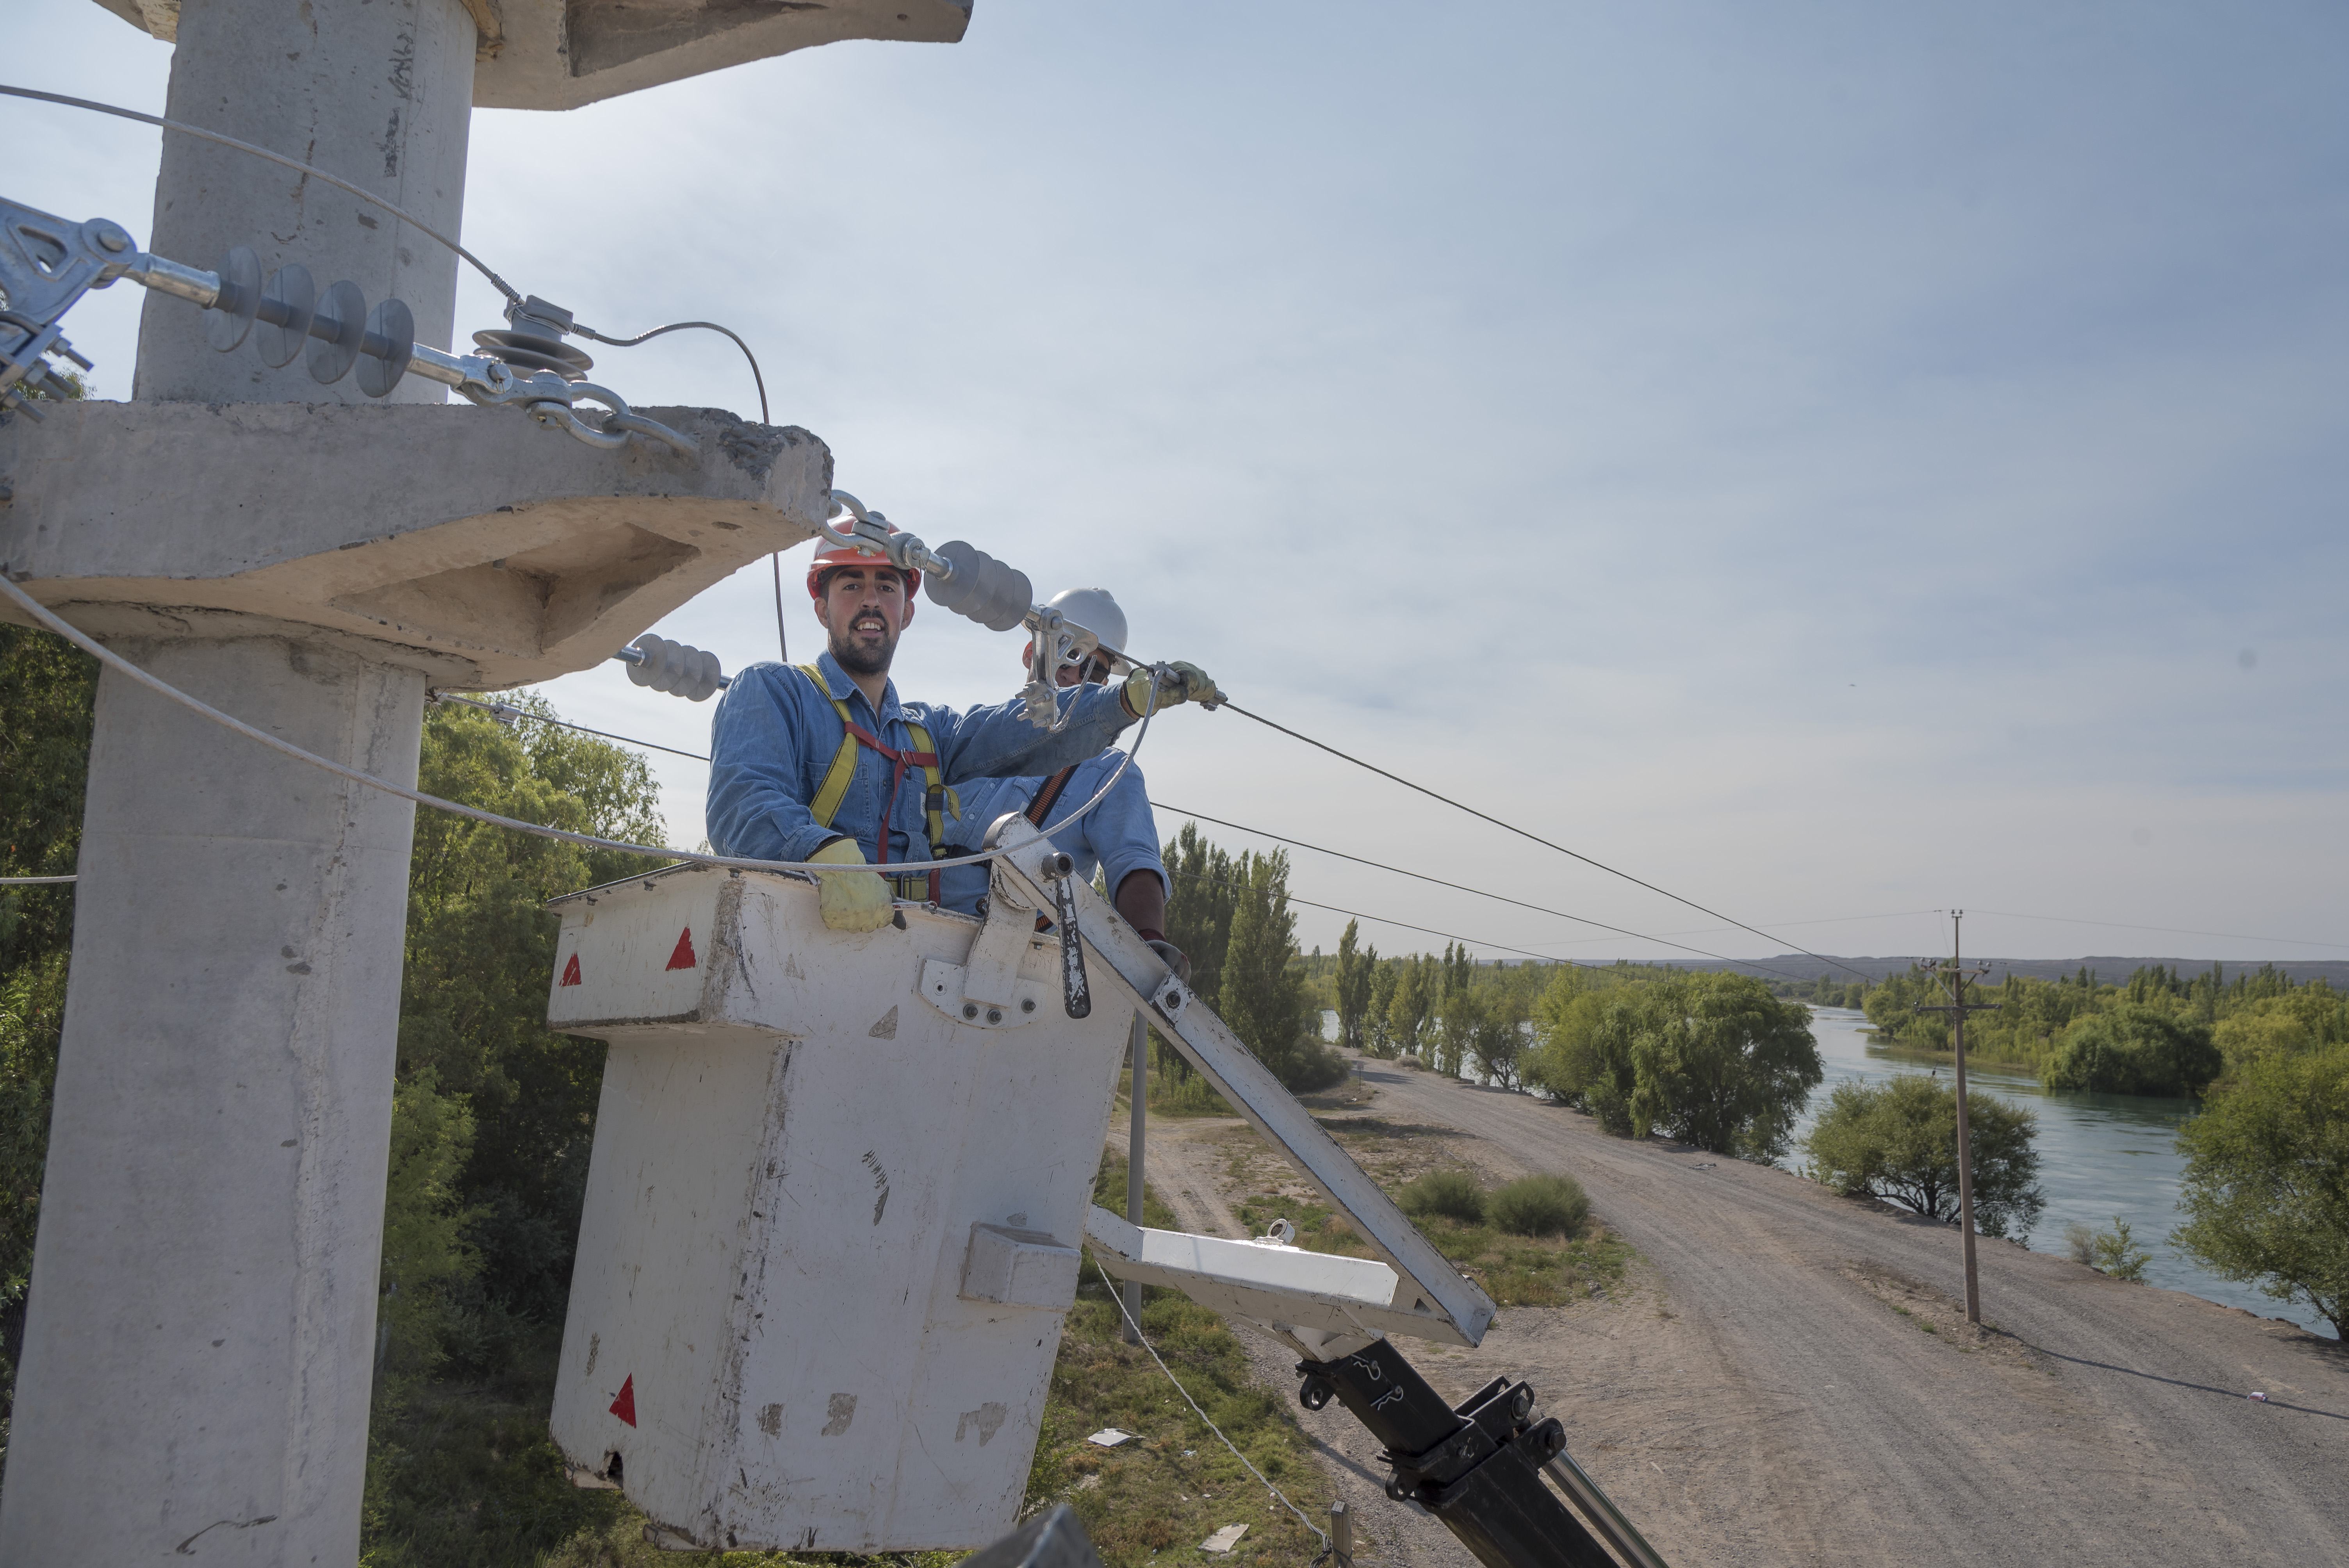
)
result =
(2102, 1156)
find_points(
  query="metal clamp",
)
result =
(1076, 995)
(48, 264)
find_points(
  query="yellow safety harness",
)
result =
(937, 799)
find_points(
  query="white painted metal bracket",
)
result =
(1432, 1300)
(948, 988)
(1283, 1287)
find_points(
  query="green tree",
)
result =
(479, 947)
(1720, 1063)
(1899, 1142)
(2135, 1049)
(1459, 1014)
(1198, 922)
(1356, 968)
(47, 691)
(426, 1257)
(1199, 913)
(1264, 997)
(2267, 1181)
(1412, 1001)
(1586, 1057)
(1378, 1032)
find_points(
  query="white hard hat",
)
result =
(1095, 611)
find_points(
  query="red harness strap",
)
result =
(899, 761)
(1050, 795)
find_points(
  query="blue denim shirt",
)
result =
(1120, 834)
(773, 737)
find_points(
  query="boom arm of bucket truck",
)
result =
(1477, 1466)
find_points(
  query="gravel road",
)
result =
(1786, 1378)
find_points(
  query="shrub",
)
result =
(2134, 1049)
(2081, 1242)
(1454, 1194)
(1540, 1206)
(2267, 1182)
(1898, 1141)
(2119, 1256)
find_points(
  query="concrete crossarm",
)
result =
(560, 53)
(467, 543)
(1432, 1295)
(1262, 1281)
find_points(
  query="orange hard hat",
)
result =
(857, 555)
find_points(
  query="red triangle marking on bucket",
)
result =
(683, 958)
(570, 971)
(625, 1407)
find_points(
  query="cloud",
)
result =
(1826, 462)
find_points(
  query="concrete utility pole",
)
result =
(196, 1370)
(1954, 977)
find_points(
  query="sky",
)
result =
(1837, 462)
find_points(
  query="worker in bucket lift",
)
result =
(1119, 835)
(811, 762)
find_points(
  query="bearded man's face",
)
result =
(864, 610)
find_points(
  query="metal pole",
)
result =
(1600, 1511)
(1141, 1051)
(1965, 1144)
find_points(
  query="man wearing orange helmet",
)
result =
(808, 763)
(1120, 835)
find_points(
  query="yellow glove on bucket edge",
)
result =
(850, 900)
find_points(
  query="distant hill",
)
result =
(2111, 971)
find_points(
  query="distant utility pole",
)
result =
(1953, 977)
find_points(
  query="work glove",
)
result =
(1177, 682)
(854, 900)
(1172, 956)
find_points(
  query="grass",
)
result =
(1514, 1270)
(1152, 1501)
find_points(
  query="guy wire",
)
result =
(340, 183)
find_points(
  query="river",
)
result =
(2100, 1155)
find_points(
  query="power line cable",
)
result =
(1462, 887)
(1536, 838)
(1382, 920)
(499, 709)
(1452, 936)
(504, 708)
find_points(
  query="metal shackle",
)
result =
(997, 596)
(675, 668)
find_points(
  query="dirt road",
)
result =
(1788, 1380)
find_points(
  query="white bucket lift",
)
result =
(837, 1194)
